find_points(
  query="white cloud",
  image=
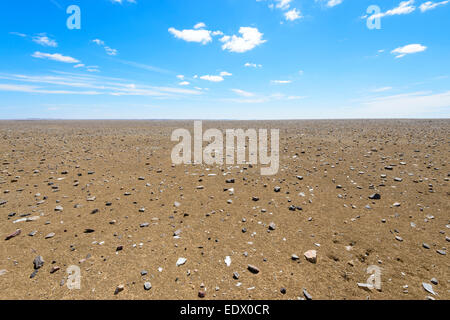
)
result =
(180, 76)
(199, 25)
(408, 49)
(281, 81)
(109, 51)
(330, 3)
(292, 15)
(243, 93)
(55, 57)
(99, 42)
(191, 35)
(184, 83)
(252, 65)
(250, 38)
(431, 5)
(45, 41)
(122, 1)
(98, 85)
(225, 74)
(405, 7)
(212, 78)
(283, 4)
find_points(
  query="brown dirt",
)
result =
(327, 154)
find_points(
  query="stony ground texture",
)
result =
(104, 196)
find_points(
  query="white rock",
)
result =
(181, 261)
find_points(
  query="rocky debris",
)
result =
(277, 189)
(272, 226)
(253, 269)
(235, 275)
(306, 294)
(228, 261)
(428, 287)
(201, 293)
(375, 196)
(14, 234)
(311, 256)
(3, 272)
(59, 208)
(54, 269)
(119, 289)
(50, 235)
(38, 262)
(181, 261)
(295, 257)
(147, 285)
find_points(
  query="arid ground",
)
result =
(104, 196)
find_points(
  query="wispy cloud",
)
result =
(123, 1)
(252, 65)
(243, 93)
(54, 56)
(429, 5)
(281, 81)
(45, 41)
(109, 51)
(408, 49)
(405, 7)
(71, 83)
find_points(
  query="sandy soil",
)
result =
(46, 164)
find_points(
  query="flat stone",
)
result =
(14, 234)
(428, 287)
(181, 261)
(253, 269)
(311, 256)
(50, 235)
(306, 294)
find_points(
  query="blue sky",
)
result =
(227, 59)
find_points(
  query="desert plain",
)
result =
(104, 196)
